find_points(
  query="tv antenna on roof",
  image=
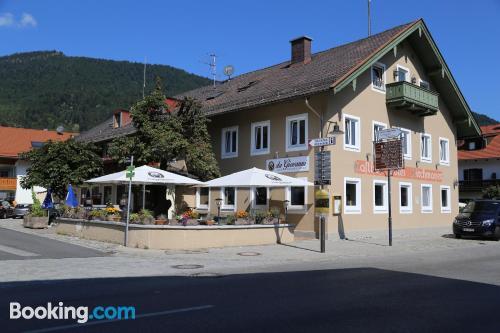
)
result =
(213, 66)
(144, 78)
(228, 71)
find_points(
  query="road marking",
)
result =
(17, 252)
(98, 322)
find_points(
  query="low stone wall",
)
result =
(177, 237)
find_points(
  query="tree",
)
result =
(59, 163)
(200, 158)
(491, 192)
(164, 136)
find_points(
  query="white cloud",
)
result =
(27, 20)
(8, 20)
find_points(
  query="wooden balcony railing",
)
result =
(477, 185)
(8, 183)
(415, 99)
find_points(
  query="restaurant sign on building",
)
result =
(288, 164)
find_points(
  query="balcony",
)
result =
(477, 185)
(419, 101)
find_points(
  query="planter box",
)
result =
(273, 220)
(35, 222)
(244, 221)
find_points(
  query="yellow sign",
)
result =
(322, 202)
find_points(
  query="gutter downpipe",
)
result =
(322, 226)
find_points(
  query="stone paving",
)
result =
(411, 248)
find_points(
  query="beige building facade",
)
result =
(431, 114)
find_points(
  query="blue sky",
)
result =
(253, 34)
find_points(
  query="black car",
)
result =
(479, 218)
(6, 210)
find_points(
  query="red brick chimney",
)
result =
(301, 50)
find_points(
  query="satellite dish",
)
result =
(228, 71)
(60, 129)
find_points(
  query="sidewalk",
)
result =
(361, 249)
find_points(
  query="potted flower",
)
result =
(112, 214)
(37, 218)
(259, 216)
(146, 216)
(273, 216)
(161, 220)
(242, 217)
(135, 218)
(190, 217)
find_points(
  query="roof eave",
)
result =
(422, 28)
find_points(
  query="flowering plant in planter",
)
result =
(273, 216)
(242, 217)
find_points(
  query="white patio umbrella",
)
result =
(256, 177)
(145, 175)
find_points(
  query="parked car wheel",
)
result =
(4, 215)
(457, 236)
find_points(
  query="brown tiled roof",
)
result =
(492, 149)
(18, 140)
(285, 81)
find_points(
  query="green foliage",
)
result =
(230, 219)
(200, 158)
(275, 212)
(46, 89)
(36, 208)
(164, 136)
(491, 192)
(258, 215)
(57, 164)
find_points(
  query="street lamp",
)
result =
(286, 203)
(218, 202)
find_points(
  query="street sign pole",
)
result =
(322, 224)
(130, 175)
(389, 219)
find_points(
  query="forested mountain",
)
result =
(46, 89)
(483, 119)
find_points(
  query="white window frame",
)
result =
(228, 207)
(198, 204)
(408, 76)
(429, 158)
(352, 209)
(447, 161)
(424, 82)
(262, 151)
(384, 208)
(408, 209)
(375, 88)
(357, 146)
(445, 209)
(296, 208)
(253, 198)
(297, 147)
(426, 209)
(223, 142)
(378, 123)
(408, 155)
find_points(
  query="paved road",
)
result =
(338, 300)
(16, 245)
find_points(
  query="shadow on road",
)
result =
(366, 242)
(300, 248)
(340, 300)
